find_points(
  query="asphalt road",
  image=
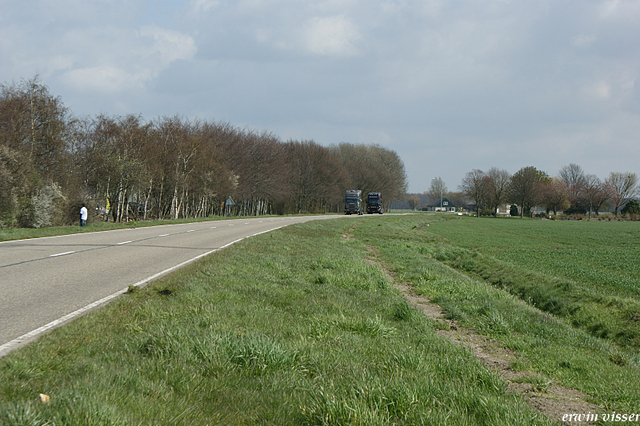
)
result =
(46, 282)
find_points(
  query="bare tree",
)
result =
(524, 188)
(573, 178)
(497, 187)
(593, 193)
(621, 187)
(35, 122)
(315, 176)
(554, 196)
(414, 202)
(474, 186)
(372, 168)
(118, 160)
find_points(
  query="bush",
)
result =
(40, 209)
(575, 210)
(632, 208)
(44, 204)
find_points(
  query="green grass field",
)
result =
(303, 326)
(585, 272)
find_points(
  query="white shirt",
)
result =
(83, 213)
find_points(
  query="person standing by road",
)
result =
(83, 215)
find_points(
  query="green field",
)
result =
(304, 326)
(585, 272)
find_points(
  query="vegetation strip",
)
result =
(299, 326)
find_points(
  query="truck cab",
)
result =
(374, 203)
(352, 200)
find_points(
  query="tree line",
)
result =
(572, 191)
(52, 162)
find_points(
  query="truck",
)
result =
(374, 203)
(352, 200)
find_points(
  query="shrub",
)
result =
(575, 210)
(44, 204)
(632, 208)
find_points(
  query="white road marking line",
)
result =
(163, 235)
(232, 242)
(213, 227)
(268, 230)
(191, 230)
(124, 242)
(62, 254)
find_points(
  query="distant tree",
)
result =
(474, 186)
(372, 168)
(414, 202)
(392, 174)
(554, 196)
(118, 160)
(593, 193)
(259, 161)
(497, 185)
(525, 188)
(316, 175)
(573, 178)
(621, 188)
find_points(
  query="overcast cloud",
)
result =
(450, 86)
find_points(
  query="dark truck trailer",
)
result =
(352, 200)
(374, 203)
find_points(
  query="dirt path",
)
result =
(551, 400)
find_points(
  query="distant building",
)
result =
(447, 206)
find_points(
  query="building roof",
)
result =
(445, 203)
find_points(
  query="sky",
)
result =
(450, 86)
